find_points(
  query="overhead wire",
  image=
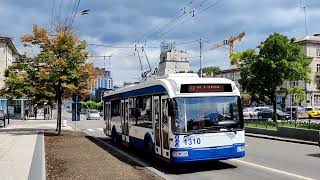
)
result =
(120, 47)
(74, 13)
(191, 10)
(60, 9)
(157, 28)
(166, 32)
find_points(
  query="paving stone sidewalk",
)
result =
(22, 149)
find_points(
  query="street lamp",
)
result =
(84, 12)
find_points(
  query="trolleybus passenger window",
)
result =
(143, 112)
(132, 108)
(115, 110)
(156, 104)
(165, 124)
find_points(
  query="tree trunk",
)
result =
(59, 114)
(57, 122)
(274, 103)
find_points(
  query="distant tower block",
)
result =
(172, 60)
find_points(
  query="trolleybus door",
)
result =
(165, 121)
(107, 117)
(156, 119)
(125, 118)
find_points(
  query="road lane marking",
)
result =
(271, 169)
(90, 130)
(100, 129)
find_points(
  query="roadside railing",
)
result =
(270, 124)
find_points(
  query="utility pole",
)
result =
(200, 57)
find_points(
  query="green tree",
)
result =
(58, 70)
(91, 104)
(276, 60)
(209, 70)
(84, 105)
(100, 106)
(298, 93)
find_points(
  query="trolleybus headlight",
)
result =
(240, 148)
(180, 153)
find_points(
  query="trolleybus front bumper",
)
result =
(183, 155)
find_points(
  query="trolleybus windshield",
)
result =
(203, 114)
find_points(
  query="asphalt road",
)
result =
(265, 159)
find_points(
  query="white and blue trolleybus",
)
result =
(178, 118)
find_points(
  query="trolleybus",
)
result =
(179, 118)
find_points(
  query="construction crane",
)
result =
(230, 42)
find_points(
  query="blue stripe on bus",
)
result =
(136, 143)
(195, 154)
(157, 89)
(207, 154)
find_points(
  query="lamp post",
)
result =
(84, 12)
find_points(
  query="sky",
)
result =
(126, 23)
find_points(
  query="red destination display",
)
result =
(203, 88)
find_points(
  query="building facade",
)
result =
(104, 83)
(172, 60)
(8, 55)
(104, 80)
(311, 47)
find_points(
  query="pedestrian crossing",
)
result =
(94, 129)
(96, 132)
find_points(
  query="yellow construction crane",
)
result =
(230, 42)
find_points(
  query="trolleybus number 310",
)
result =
(191, 141)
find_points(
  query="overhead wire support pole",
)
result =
(305, 20)
(200, 57)
(305, 16)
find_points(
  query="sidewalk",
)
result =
(22, 154)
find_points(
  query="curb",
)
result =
(37, 168)
(282, 139)
(145, 165)
(44, 173)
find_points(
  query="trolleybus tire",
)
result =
(114, 137)
(148, 149)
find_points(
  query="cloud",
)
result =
(120, 22)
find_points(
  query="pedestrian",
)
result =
(35, 112)
(26, 114)
(45, 113)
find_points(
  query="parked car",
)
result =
(282, 115)
(302, 113)
(101, 113)
(265, 113)
(255, 110)
(246, 113)
(313, 112)
(268, 113)
(93, 114)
